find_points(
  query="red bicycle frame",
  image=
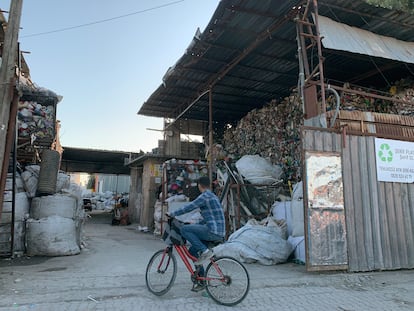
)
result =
(185, 256)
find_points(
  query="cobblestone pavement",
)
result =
(109, 275)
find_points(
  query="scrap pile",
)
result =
(402, 90)
(181, 186)
(183, 174)
(247, 189)
(351, 102)
(36, 119)
(272, 132)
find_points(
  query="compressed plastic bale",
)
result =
(19, 183)
(54, 205)
(30, 180)
(63, 182)
(22, 206)
(48, 173)
(19, 233)
(51, 236)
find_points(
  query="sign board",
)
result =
(395, 160)
(156, 170)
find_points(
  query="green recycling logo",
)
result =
(385, 154)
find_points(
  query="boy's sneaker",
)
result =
(204, 257)
(199, 286)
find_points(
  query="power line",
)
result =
(102, 21)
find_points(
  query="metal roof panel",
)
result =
(259, 38)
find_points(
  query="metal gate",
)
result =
(378, 217)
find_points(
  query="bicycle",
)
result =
(226, 279)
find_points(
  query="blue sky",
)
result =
(106, 71)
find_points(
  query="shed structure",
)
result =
(253, 52)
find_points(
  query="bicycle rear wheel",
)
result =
(227, 281)
(161, 272)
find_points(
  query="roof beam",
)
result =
(279, 22)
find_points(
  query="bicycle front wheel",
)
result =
(161, 272)
(227, 281)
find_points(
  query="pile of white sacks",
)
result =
(103, 201)
(53, 222)
(273, 240)
(292, 211)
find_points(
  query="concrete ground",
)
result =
(109, 274)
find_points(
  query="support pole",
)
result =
(7, 74)
(321, 60)
(210, 135)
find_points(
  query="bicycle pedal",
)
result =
(198, 287)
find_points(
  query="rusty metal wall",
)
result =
(388, 125)
(379, 215)
(326, 238)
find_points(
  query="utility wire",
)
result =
(101, 21)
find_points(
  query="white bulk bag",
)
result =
(51, 236)
(54, 205)
(30, 183)
(283, 210)
(256, 243)
(63, 181)
(22, 206)
(258, 170)
(19, 233)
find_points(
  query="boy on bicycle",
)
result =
(211, 227)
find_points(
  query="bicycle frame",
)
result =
(226, 280)
(185, 256)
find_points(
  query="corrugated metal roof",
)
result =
(96, 161)
(248, 52)
(339, 36)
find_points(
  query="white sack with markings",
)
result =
(256, 243)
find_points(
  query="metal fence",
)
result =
(379, 216)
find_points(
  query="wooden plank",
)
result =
(336, 143)
(307, 139)
(327, 141)
(392, 230)
(385, 238)
(318, 141)
(366, 206)
(409, 217)
(358, 204)
(392, 194)
(400, 225)
(375, 219)
(349, 207)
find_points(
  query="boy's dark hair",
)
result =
(204, 181)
